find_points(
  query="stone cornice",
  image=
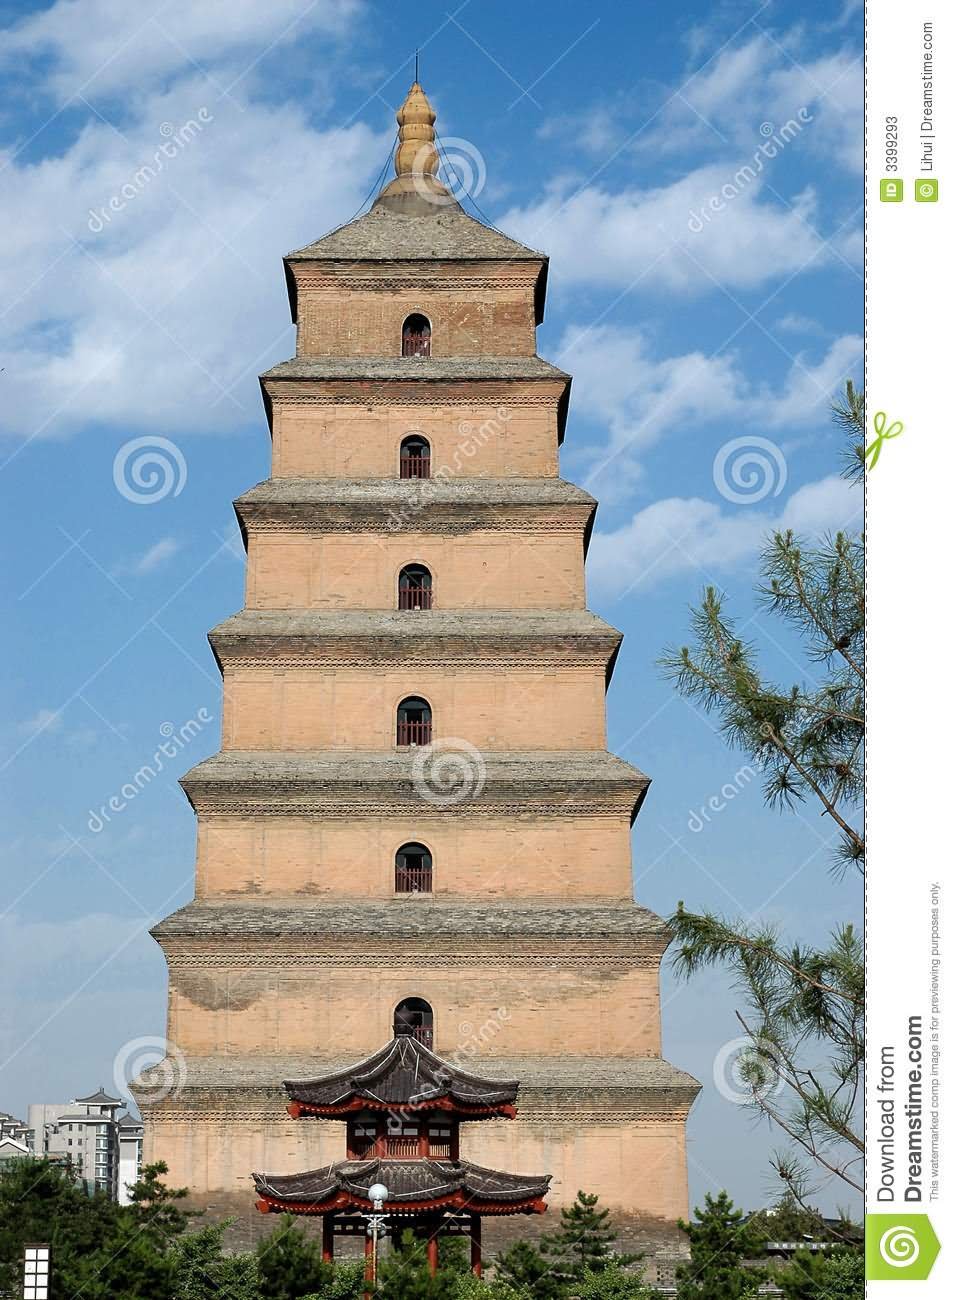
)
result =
(290, 801)
(371, 783)
(331, 279)
(446, 520)
(491, 640)
(443, 505)
(192, 953)
(615, 929)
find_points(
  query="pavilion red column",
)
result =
(432, 1253)
(476, 1256)
(368, 1259)
(327, 1238)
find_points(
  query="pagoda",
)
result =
(413, 827)
(403, 1107)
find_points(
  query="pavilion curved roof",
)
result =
(404, 1074)
(412, 1185)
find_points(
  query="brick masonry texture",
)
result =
(530, 949)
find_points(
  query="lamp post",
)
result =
(376, 1221)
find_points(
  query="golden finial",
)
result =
(416, 151)
(415, 187)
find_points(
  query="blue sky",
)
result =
(599, 133)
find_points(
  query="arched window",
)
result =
(412, 870)
(415, 457)
(414, 722)
(415, 587)
(413, 1018)
(416, 336)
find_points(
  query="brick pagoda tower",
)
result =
(413, 826)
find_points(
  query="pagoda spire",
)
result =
(416, 159)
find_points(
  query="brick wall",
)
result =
(521, 857)
(356, 708)
(368, 323)
(551, 1009)
(476, 439)
(482, 569)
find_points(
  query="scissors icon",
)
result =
(884, 432)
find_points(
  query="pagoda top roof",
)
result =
(412, 1185)
(407, 1075)
(415, 217)
(440, 231)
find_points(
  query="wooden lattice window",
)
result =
(416, 336)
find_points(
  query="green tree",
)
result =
(720, 1241)
(789, 1220)
(99, 1249)
(838, 1275)
(613, 1283)
(526, 1269)
(404, 1274)
(345, 1283)
(477, 1288)
(290, 1263)
(807, 741)
(804, 1005)
(156, 1209)
(584, 1241)
(202, 1272)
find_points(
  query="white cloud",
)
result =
(652, 238)
(164, 317)
(682, 534)
(638, 396)
(153, 558)
(768, 81)
(794, 322)
(42, 720)
(103, 46)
